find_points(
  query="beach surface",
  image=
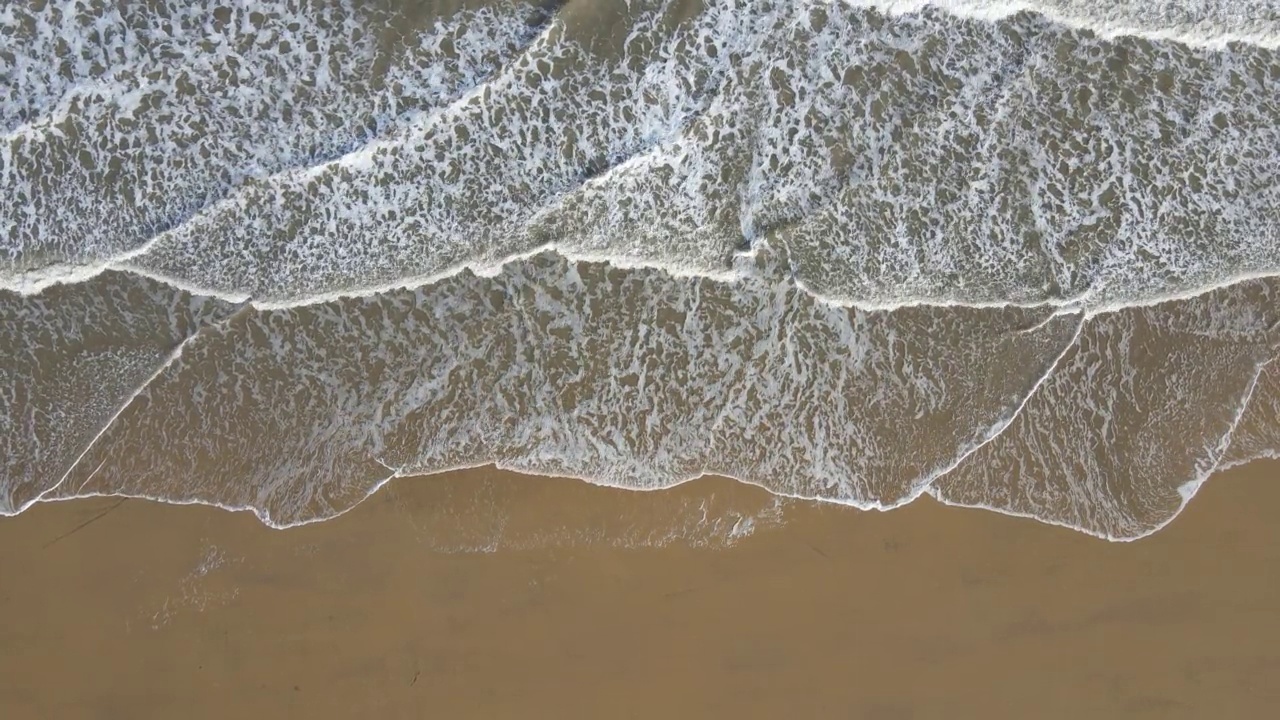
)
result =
(487, 594)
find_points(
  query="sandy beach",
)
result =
(486, 594)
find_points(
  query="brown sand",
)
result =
(129, 609)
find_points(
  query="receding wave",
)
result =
(272, 254)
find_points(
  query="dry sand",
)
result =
(129, 609)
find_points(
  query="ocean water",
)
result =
(272, 254)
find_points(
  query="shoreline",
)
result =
(493, 468)
(408, 605)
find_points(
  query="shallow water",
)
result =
(273, 254)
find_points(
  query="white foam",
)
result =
(166, 93)
(420, 201)
(1212, 23)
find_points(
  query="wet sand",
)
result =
(128, 609)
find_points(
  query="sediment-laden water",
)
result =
(273, 254)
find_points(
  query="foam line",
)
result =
(1095, 21)
(1062, 306)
